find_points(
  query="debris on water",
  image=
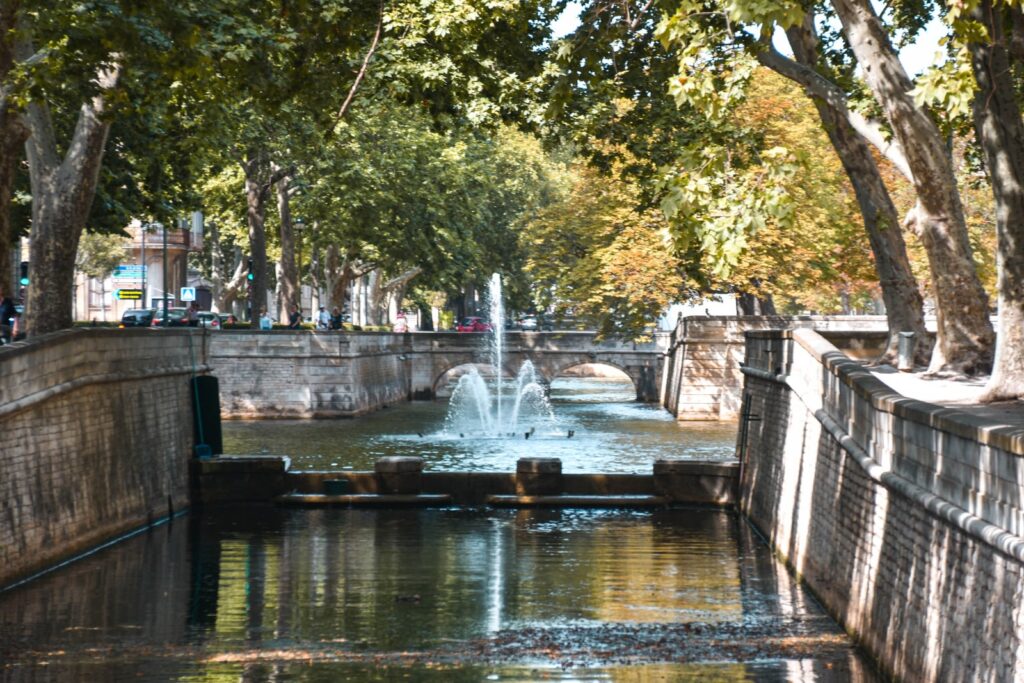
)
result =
(572, 432)
(411, 599)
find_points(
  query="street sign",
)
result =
(128, 294)
(130, 271)
(188, 294)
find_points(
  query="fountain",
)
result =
(475, 410)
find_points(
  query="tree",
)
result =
(965, 336)
(594, 255)
(79, 68)
(903, 302)
(994, 42)
(98, 256)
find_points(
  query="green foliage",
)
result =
(721, 201)
(99, 255)
(594, 256)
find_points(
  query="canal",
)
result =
(263, 593)
(271, 594)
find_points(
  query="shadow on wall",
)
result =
(931, 601)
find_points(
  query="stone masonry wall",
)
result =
(97, 434)
(903, 517)
(304, 374)
(701, 379)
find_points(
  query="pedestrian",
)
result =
(8, 316)
(323, 321)
(335, 319)
(265, 323)
(193, 314)
(294, 318)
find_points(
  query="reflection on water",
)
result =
(612, 433)
(441, 595)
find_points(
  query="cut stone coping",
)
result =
(884, 398)
(722, 468)
(398, 464)
(539, 465)
(366, 499)
(577, 501)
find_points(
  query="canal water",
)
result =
(272, 594)
(611, 433)
(261, 594)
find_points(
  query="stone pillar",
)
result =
(696, 481)
(538, 477)
(646, 383)
(399, 474)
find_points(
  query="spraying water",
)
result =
(475, 410)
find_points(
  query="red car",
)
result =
(474, 324)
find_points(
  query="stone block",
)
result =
(538, 476)
(399, 474)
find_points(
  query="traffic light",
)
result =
(23, 274)
(249, 270)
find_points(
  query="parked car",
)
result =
(176, 317)
(209, 320)
(138, 317)
(474, 324)
(534, 323)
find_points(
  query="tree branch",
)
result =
(819, 86)
(402, 279)
(362, 70)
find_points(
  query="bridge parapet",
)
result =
(702, 378)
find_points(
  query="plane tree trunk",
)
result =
(63, 189)
(998, 125)
(288, 283)
(904, 305)
(965, 337)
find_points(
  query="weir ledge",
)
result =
(266, 478)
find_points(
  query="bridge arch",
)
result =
(444, 383)
(620, 372)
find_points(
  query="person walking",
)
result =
(265, 323)
(294, 318)
(193, 314)
(323, 320)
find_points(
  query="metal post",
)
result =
(167, 321)
(905, 351)
(145, 292)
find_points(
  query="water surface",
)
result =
(611, 433)
(270, 594)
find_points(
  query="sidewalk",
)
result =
(961, 394)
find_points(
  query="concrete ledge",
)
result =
(577, 501)
(264, 478)
(364, 500)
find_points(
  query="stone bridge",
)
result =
(433, 357)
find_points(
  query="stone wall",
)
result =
(305, 374)
(701, 379)
(902, 516)
(97, 434)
